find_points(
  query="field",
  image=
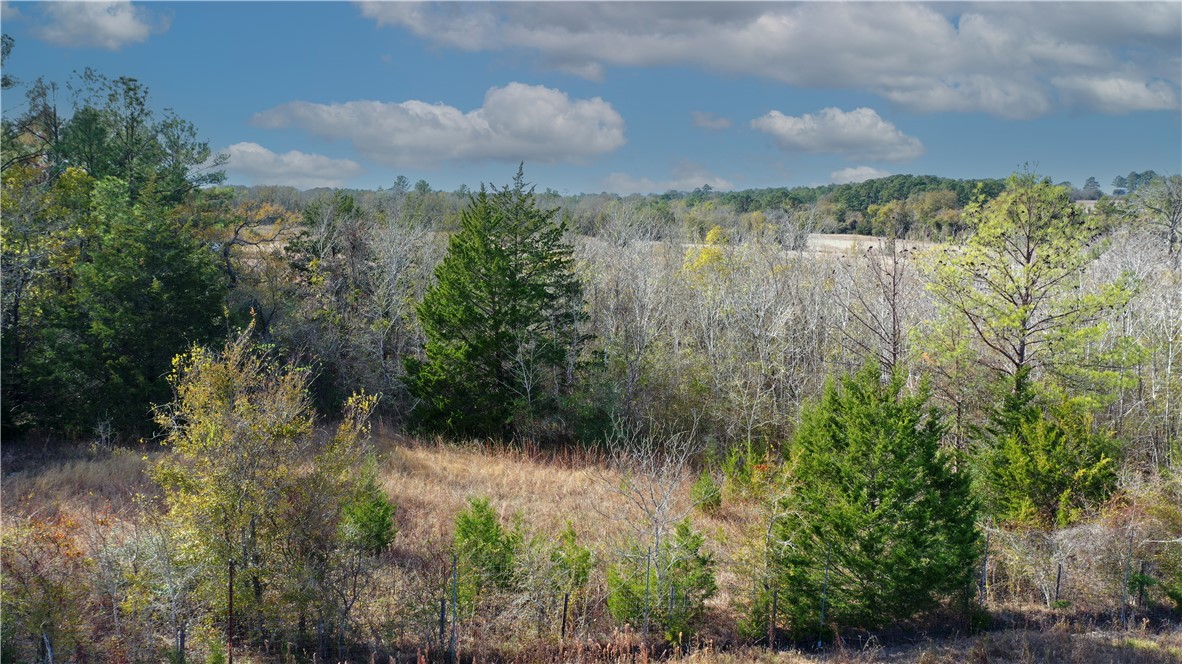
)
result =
(106, 492)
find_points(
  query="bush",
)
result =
(485, 551)
(705, 492)
(1043, 464)
(368, 520)
(877, 513)
(671, 587)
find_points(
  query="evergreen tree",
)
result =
(878, 519)
(1042, 462)
(500, 319)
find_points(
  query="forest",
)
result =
(273, 425)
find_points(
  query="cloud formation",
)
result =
(294, 169)
(1009, 59)
(107, 25)
(709, 120)
(856, 174)
(686, 176)
(517, 122)
(858, 134)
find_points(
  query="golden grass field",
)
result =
(431, 481)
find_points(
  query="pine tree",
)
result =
(878, 520)
(500, 320)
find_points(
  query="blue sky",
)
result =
(627, 97)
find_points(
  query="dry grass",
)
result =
(431, 481)
(93, 480)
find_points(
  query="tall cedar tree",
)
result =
(877, 514)
(500, 319)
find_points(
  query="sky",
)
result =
(630, 97)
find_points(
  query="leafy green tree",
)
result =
(500, 320)
(1016, 281)
(878, 519)
(1043, 462)
(148, 291)
(251, 481)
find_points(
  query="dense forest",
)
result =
(506, 424)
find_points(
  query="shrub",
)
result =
(878, 519)
(705, 492)
(1043, 464)
(671, 587)
(368, 519)
(485, 551)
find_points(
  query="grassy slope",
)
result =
(431, 482)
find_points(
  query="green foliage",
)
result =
(106, 292)
(671, 587)
(367, 521)
(705, 492)
(1016, 282)
(572, 560)
(876, 507)
(1043, 463)
(500, 319)
(249, 480)
(148, 291)
(485, 551)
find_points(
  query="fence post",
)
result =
(565, 602)
(455, 593)
(230, 622)
(648, 559)
(1058, 581)
(1124, 596)
(984, 570)
(442, 619)
(824, 597)
(771, 630)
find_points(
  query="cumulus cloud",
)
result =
(1117, 95)
(858, 134)
(856, 174)
(685, 176)
(109, 25)
(1006, 59)
(709, 120)
(517, 122)
(295, 169)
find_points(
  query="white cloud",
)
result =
(8, 12)
(295, 169)
(517, 122)
(856, 174)
(109, 25)
(1117, 95)
(709, 120)
(859, 134)
(1002, 58)
(686, 176)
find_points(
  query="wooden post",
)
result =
(442, 620)
(824, 597)
(771, 629)
(1124, 597)
(984, 569)
(1058, 581)
(455, 596)
(230, 622)
(565, 601)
